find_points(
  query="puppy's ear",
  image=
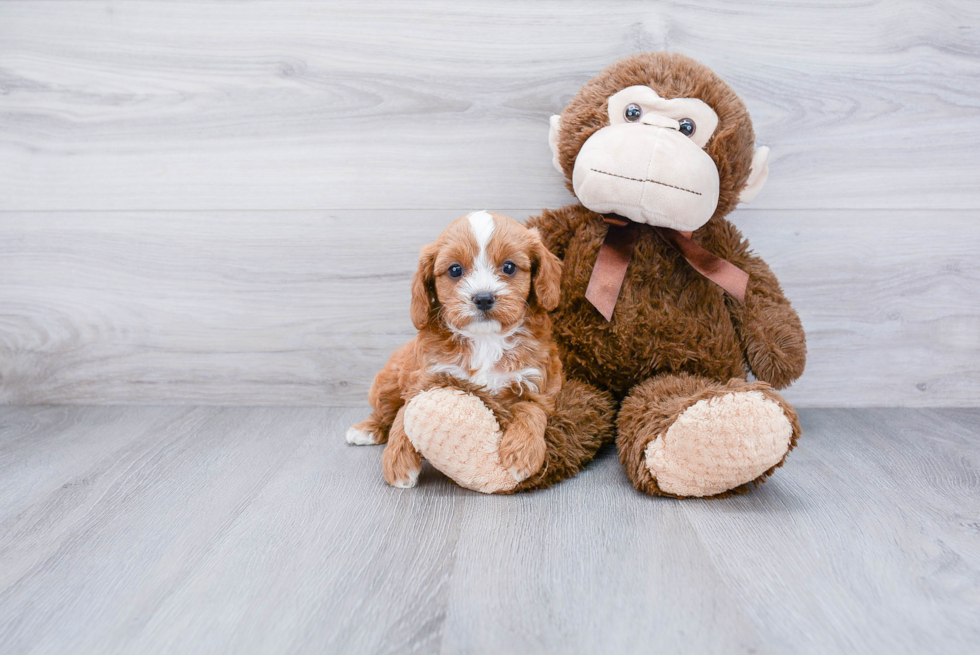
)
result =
(546, 273)
(424, 288)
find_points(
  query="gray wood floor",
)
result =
(258, 530)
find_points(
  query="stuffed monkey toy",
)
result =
(663, 306)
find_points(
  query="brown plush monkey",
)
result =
(664, 310)
(660, 140)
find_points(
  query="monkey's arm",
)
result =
(558, 227)
(770, 330)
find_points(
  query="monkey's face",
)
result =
(649, 163)
(660, 139)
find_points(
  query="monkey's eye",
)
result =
(687, 126)
(509, 268)
(455, 271)
(632, 113)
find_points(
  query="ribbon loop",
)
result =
(616, 251)
(610, 267)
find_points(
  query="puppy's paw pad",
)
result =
(357, 437)
(407, 482)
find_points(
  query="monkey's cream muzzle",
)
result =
(650, 173)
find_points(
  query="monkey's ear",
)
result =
(553, 141)
(546, 274)
(757, 175)
(424, 288)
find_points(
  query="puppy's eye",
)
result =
(686, 126)
(455, 271)
(632, 113)
(509, 268)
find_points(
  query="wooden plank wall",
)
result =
(222, 202)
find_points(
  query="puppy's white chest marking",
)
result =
(488, 371)
(496, 381)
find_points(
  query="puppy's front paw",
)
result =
(357, 436)
(401, 466)
(521, 452)
(407, 482)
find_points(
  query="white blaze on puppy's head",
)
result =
(483, 278)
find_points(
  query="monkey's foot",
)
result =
(460, 437)
(719, 444)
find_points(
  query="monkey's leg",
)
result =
(459, 428)
(460, 436)
(681, 435)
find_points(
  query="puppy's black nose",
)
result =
(484, 301)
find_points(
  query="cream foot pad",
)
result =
(460, 437)
(720, 443)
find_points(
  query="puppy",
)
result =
(480, 302)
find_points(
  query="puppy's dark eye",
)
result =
(509, 268)
(455, 271)
(686, 126)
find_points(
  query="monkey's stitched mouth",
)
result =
(634, 179)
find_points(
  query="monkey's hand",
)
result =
(770, 329)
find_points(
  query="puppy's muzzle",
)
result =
(484, 301)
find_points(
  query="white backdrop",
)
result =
(222, 202)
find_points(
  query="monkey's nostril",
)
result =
(483, 301)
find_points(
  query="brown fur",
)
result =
(437, 309)
(435, 305)
(400, 458)
(653, 406)
(669, 318)
(675, 337)
(671, 75)
(581, 423)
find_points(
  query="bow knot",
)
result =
(617, 250)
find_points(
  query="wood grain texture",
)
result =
(337, 105)
(221, 202)
(258, 530)
(303, 308)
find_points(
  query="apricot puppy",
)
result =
(480, 302)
